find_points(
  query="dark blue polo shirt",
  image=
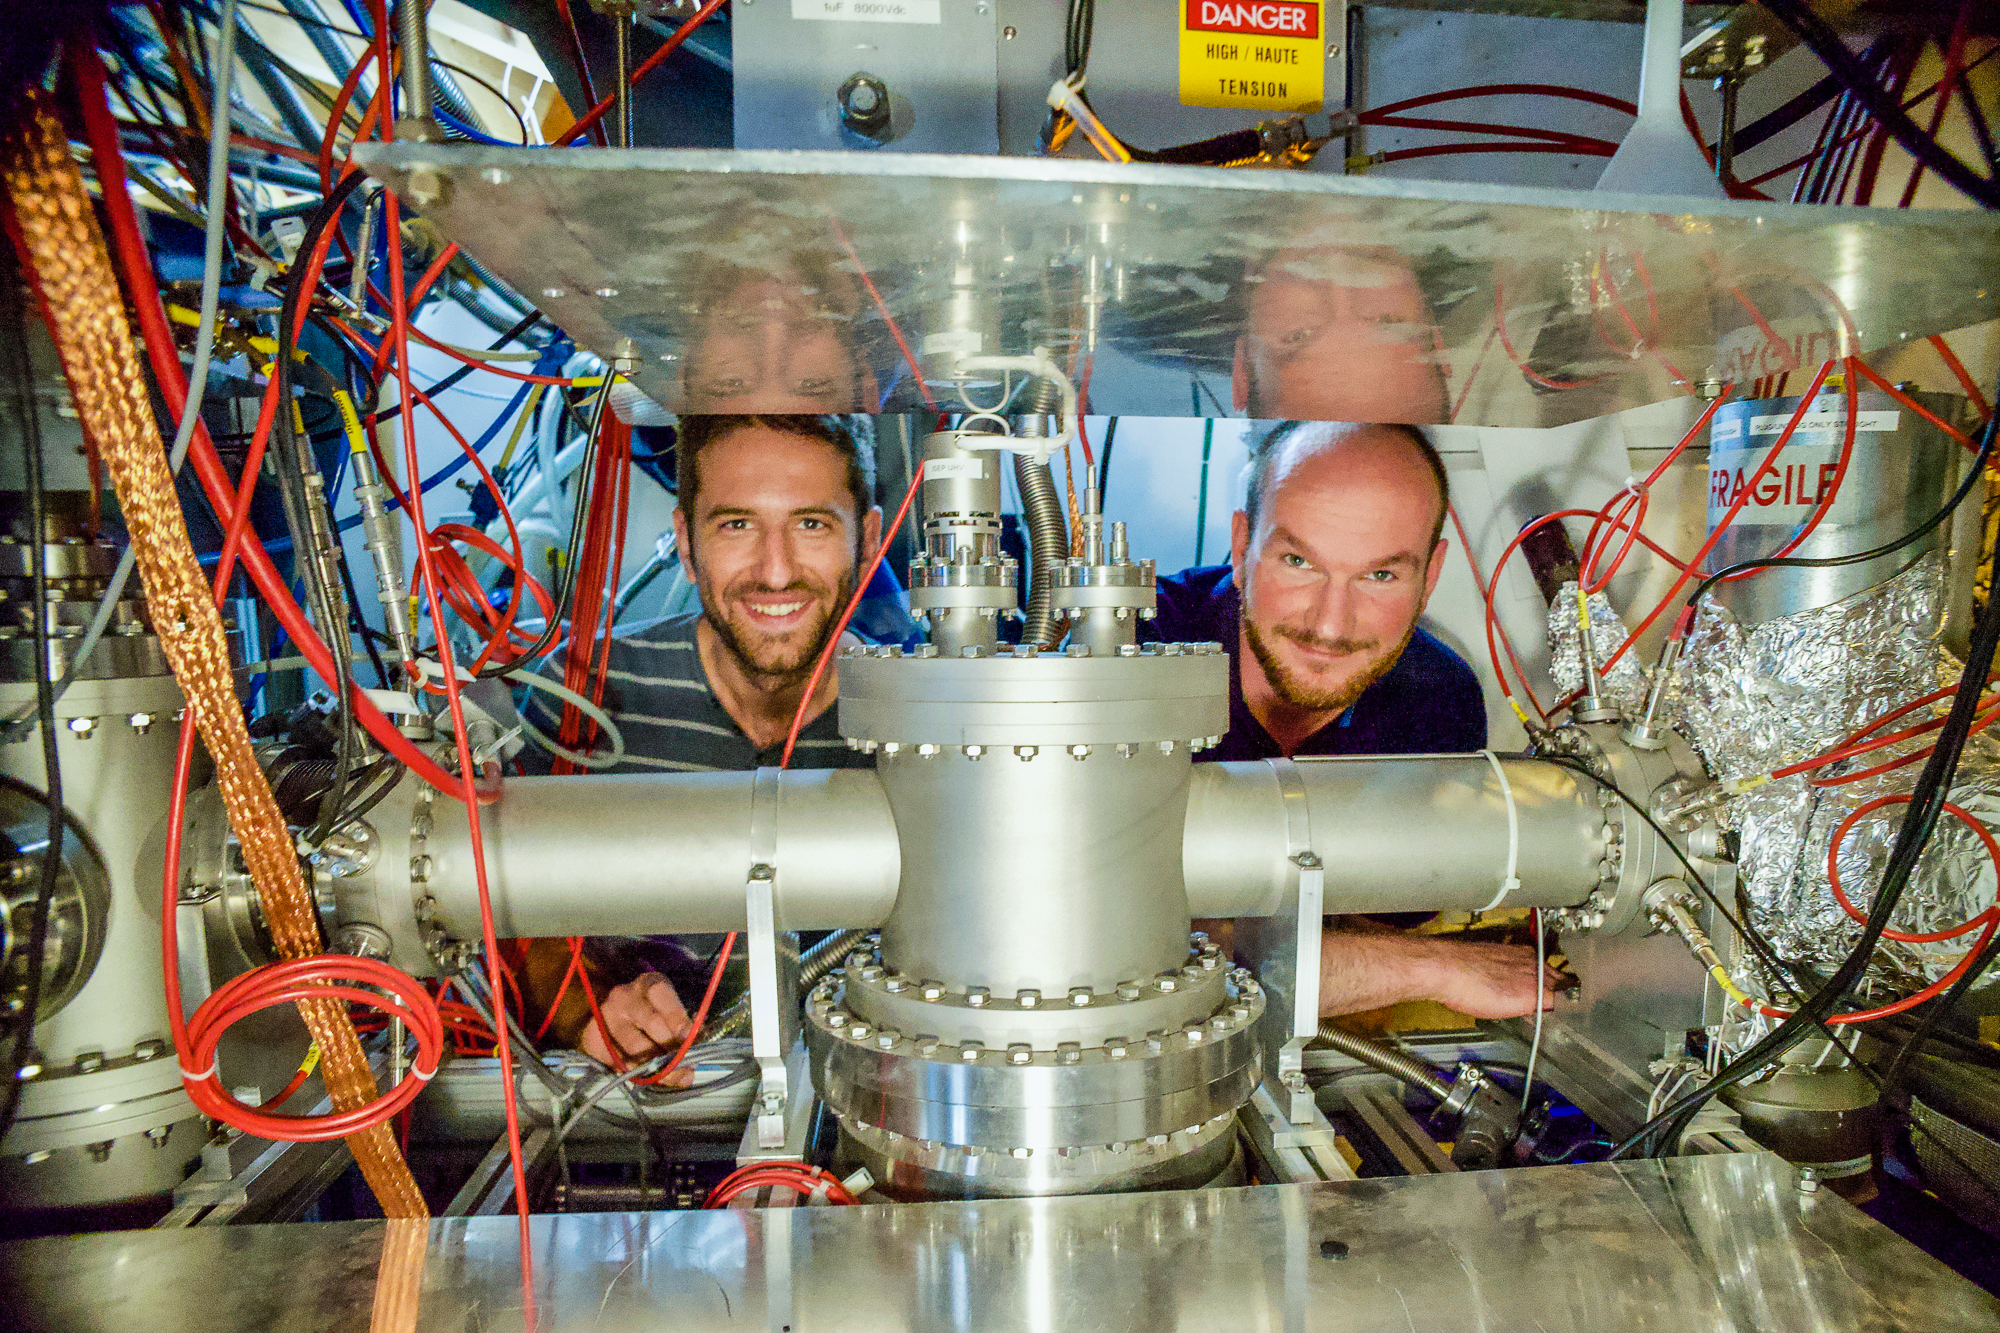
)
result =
(1428, 703)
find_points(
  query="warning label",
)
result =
(1262, 55)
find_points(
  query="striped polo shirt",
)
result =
(657, 692)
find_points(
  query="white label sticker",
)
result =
(955, 469)
(870, 11)
(954, 342)
(1819, 420)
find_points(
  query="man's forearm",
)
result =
(1369, 971)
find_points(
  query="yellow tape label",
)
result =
(1264, 55)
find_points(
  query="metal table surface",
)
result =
(1691, 1244)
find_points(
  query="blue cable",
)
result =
(457, 464)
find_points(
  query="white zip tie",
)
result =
(1512, 881)
(214, 1069)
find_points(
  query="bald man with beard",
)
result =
(1332, 560)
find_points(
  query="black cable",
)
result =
(1973, 476)
(305, 506)
(1826, 44)
(566, 592)
(21, 1050)
(1912, 836)
(534, 317)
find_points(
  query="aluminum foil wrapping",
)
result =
(1626, 684)
(1755, 699)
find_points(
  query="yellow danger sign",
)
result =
(1265, 55)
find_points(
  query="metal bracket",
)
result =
(774, 966)
(1284, 951)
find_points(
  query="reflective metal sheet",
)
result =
(1693, 1244)
(769, 281)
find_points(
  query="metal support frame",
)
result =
(1284, 952)
(774, 978)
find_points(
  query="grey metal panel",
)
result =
(1700, 1245)
(699, 259)
(941, 75)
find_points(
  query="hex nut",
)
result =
(931, 990)
(1028, 999)
(976, 996)
(1079, 997)
(1020, 1053)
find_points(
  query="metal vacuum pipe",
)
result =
(1419, 832)
(639, 854)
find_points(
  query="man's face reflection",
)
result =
(767, 346)
(1339, 334)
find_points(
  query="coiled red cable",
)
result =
(315, 978)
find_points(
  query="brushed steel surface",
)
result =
(1698, 1245)
(1403, 830)
(700, 257)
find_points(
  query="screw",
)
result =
(1079, 752)
(886, 1040)
(1128, 990)
(81, 727)
(89, 1062)
(1332, 50)
(1028, 999)
(427, 188)
(1115, 1049)
(140, 722)
(971, 1051)
(931, 990)
(976, 996)
(859, 1031)
(1019, 1053)
(896, 985)
(1079, 996)
(1166, 981)
(1069, 1053)
(101, 1150)
(1808, 1180)
(1008, 32)
(158, 1135)
(1025, 752)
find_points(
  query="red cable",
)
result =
(1507, 346)
(308, 979)
(468, 772)
(798, 1176)
(1508, 89)
(1885, 386)
(129, 248)
(882, 308)
(1582, 142)
(700, 1014)
(645, 67)
(1965, 380)
(1457, 149)
(833, 639)
(1479, 583)
(1729, 516)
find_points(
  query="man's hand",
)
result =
(1491, 980)
(644, 1017)
(1361, 971)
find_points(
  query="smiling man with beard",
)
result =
(1332, 560)
(775, 519)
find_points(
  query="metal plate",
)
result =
(1285, 294)
(1699, 1245)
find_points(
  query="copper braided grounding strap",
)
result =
(66, 255)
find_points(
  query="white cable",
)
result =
(204, 344)
(1535, 1046)
(1512, 880)
(590, 710)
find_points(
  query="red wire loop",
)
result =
(315, 978)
